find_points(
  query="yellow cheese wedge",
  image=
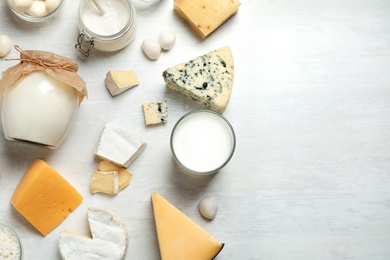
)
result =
(179, 237)
(44, 197)
(205, 16)
(118, 81)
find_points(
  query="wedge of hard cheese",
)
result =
(207, 79)
(109, 238)
(44, 197)
(205, 16)
(179, 237)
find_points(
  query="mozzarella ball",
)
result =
(167, 40)
(51, 5)
(151, 48)
(21, 5)
(38, 9)
(5, 45)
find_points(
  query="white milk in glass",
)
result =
(202, 142)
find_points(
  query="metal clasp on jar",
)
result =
(84, 44)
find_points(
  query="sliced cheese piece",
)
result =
(44, 197)
(109, 238)
(205, 16)
(119, 145)
(118, 81)
(155, 112)
(179, 237)
(207, 79)
(105, 182)
(124, 176)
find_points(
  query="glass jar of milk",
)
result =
(106, 25)
(40, 98)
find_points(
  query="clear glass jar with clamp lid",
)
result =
(105, 25)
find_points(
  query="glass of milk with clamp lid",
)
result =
(105, 25)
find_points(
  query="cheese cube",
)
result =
(155, 112)
(119, 145)
(44, 197)
(205, 16)
(118, 81)
(206, 79)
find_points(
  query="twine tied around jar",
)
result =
(56, 66)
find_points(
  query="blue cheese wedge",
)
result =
(207, 79)
(155, 112)
(119, 145)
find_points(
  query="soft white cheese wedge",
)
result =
(119, 145)
(118, 81)
(109, 238)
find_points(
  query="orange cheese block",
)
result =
(179, 237)
(44, 197)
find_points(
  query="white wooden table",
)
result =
(310, 178)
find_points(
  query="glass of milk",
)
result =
(202, 142)
(106, 25)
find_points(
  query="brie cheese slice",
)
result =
(109, 238)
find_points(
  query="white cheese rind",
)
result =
(109, 238)
(114, 86)
(119, 145)
(207, 79)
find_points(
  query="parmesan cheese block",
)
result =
(207, 79)
(205, 16)
(179, 237)
(44, 197)
(155, 112)
(109, 238)
(118, 81)
(119, 145)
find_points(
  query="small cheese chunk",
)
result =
(118, 81)
(179, 237)
(155, 112)
(44, 197)
(105, 182)
(207, 79)
(119, 145)
(124, 176)
(109, 238)
(206, 16)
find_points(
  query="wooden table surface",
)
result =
(310, 177)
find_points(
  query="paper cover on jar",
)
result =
(61, 68)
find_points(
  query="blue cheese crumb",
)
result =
(155, 112)
(207, 79)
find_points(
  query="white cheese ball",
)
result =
(208, 207)
(151, 48)
(51, 5)
(21, 5)
(5, 45)
(167, 40)
(38, 9)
